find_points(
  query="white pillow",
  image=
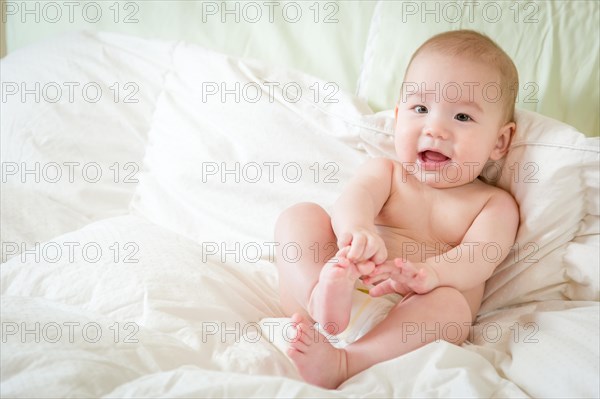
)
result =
(192, 136)
(75, 111)
(552, 170)
(286, 149)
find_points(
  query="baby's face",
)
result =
(450, 119)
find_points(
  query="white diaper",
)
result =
(366, 313)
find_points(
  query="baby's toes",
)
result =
(301, 338)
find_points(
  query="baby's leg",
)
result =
(442, 314)
(311, 283)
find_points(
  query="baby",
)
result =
(454, 114)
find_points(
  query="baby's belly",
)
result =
(406, 244)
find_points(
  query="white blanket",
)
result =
(169, 325)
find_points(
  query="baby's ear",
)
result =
(503, 142)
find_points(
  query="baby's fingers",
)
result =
(343, 252)
(387, 267)
(380, 255)
(357, 247)
(371, 279)
(344, 240)
(407, 268)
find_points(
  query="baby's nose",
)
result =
(436, 131)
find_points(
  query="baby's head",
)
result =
(456, 108)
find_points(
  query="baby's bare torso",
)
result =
(419, 222)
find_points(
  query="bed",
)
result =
(148, 148)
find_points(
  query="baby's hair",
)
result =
(474, 45)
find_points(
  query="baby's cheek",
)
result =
(403, 150)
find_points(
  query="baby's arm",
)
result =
(353, 215)
(494, 229)
(472, 262)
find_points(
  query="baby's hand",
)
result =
(363, 245)
(363, 268)
(402, 277)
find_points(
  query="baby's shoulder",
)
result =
(493, 193)
(378, 162)
(377, 167)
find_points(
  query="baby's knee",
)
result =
(453, 302)
(455, 312)
(303, 212)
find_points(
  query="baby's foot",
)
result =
(317, 361)
(330, 302)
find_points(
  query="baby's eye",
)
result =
(421, 109)
(463, 117)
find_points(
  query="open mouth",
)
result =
(432, 159)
